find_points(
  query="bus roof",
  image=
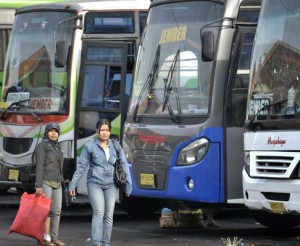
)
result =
(81, 5)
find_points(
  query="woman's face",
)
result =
(53, 135)
(104, 132)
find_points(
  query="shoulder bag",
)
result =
(119, 173)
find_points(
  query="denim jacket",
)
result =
(100, 170)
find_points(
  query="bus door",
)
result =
(103, 90)
(235, 111)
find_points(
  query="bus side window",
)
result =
(92, 93)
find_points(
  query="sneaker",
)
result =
(58, 242)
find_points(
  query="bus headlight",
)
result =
(193, 153)
(127, 151)
(66, 147)
(247, 161)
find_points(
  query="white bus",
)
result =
(68, 62)
(271, 176)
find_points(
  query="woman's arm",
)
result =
(40, 157)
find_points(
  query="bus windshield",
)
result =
(31, 71)
(275, 70)
(171, 78)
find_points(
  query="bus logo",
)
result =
(276, 141)
(151, 139)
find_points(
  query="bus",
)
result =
(68, 62)
(271, 175)
(183, 134)
(7, 14)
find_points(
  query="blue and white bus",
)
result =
(183, 134)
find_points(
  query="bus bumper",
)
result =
(16, 176)
(271, 195)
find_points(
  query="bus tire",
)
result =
(276, 221)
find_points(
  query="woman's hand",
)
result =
(72, 192)
(38, 191)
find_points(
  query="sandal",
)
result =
(212, 224)
(58, 242)
(45, 243)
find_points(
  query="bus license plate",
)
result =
(277, 207)
(13, 174)
(147, 179)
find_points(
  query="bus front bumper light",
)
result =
(193, 153)
(247, 162)
(190, 184)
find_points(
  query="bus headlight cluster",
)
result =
(247, 161)
(193, 153)
(66, 147)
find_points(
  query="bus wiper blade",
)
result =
(19, 104)
(152, 77)
(169, 85)
(11, 105)
(267, 106)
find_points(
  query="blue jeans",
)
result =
(103, 201)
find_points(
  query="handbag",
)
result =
(67, 199)
(119, 173)
(31, 216)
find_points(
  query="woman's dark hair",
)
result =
(103, 122)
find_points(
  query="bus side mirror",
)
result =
(61, 54)
(208, 49)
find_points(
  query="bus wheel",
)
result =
(276, 220)
(139, 206)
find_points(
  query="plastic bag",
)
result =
(31, 216)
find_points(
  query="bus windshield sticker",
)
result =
(17, 96)
(256, 104)
(174, 34)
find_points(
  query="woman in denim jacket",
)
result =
(99, 156)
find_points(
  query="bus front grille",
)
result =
(268, 164)
(16, 146)
(151, 165)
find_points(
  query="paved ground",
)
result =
(132, 231)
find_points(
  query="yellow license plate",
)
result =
(277, 207)
(147, 179)
(13, 174)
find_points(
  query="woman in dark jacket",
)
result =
(49, 163)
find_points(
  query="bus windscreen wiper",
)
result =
(169, 86)
(150, 82)
(19, 104)
(267, 106)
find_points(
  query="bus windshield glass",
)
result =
(275, 70)
(171, 78)
(31, 70)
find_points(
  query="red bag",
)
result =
(31, 216)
